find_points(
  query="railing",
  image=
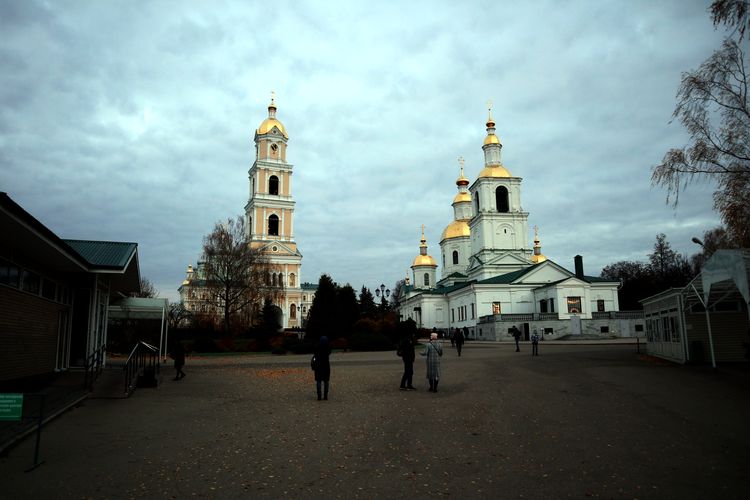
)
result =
(617, 315)
(93, 367)
(143, 363)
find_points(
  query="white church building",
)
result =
(491, 281)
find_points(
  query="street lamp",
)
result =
(696, 241)
(382, 293)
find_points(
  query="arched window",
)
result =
(273, 185)
(501, 199)
(268, 278)
(274, 279)
(455, 257)
(293, 311)
(273, 225)
(281, 279)
(426, 279)
(292, 280)
(476, 200)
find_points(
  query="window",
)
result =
(600, 305)
(501, 199)
(472, 310)
(274, 149)
(273, 282)
(293, 311)
(638, 328)
(604, 329)
(426, 279)
(476, 201)
(543, 306)
(443, 260)
(291, 280)
(453, 315)
(30, 282)
(9, 274)
(455, 257)
(548, 331)
(496, 308)
(574, 305)
(281, 279)
(48, 289)
(273, 225)
(273, 185)
(551, 305)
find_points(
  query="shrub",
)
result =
(205, 344)
(370, 342)
(340, 343)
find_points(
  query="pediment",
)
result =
(281, 249)
(507, 259)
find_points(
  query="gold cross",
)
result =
(273, 96)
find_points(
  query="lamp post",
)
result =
(382, 293)
(696, 241)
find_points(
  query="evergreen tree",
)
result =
(367, 307)
(323, 311)
(348, 310)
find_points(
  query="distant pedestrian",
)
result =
(452, 336)
(406, 352)
(459, 338)
(535, 343)
(517, 336)
(433, 350)
(466, 334)
(178, 355)
(322, 367)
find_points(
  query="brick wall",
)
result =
(28, 334)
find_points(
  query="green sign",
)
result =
(11, 406)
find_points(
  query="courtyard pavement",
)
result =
(578, 421)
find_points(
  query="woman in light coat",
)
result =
(433, 350)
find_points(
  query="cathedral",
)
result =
(491, 281)
(269, 222)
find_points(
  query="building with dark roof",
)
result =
(54, 297)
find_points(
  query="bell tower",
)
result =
(499, 226)
(269, 213)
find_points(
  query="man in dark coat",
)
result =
(517, 336)
(322, 367)
(406, 351)
(459, 338)
(178, 355)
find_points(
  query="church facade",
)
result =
(269, 223)
(492, 281)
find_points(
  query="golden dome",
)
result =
(456, 229)
(491, 139)
(462, 181)
(462, 196)
(424, 260)
(536, 259)
(494, 171)
(268, 125)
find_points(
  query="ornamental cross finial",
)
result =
(536, 231)
(273, 97)
(489, 109)
(461, 162)
(422, 229)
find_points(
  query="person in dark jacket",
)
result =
(406, 351)
(516, 336)
(178, 355)
(459, 338)
(322, 367)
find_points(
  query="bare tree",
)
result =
(236, 275)
(712, 104)
(178, 313)
(148, 290)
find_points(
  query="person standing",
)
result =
(459, 338)
(178, 355)
(535, 343)
(322, 367)
(406, 351)
(433, 351)
(517, 336)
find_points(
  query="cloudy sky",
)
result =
(134, 121)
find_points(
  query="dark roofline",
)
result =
(17, 211)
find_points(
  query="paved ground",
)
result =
(578, 421)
